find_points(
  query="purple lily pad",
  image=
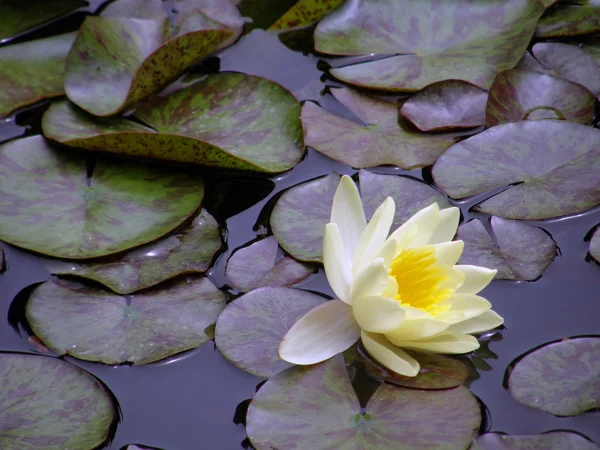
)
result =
(51, 404)
(570, 18)
(305, 13)
(250, 329)
(554, 440)
(551, 168)
(316, 407)
(112, 329)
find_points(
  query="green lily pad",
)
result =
(562, 378)
(551, 168)
(112, 329)
(48, 404)
(523, 94)
(554, 440)
(120, 59)
(189, 251)
(316, 407)
(305, 13)
(446, 104)
(250, 329)
(254, 266)
(595, 245)
(382, 140)
(472, 42)
(570, 18)
(227, 120)
(523, 252)
(32, 71)
(50, 204)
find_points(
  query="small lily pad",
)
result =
(305, 13)
(111, 329)
(523, 252)
(570, 18)
(554, 440)
(316, 407)
(562, 378)
(49, 404)
(254, 266)
(551, 168)
(51, 202)
(250, 329)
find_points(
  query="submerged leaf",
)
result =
(554, 440)
(305, 13)
(570, 18)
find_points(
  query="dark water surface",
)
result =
(188, 402)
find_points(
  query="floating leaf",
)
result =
(522, 94)
(551, 168)
(108, 328)
(523, 252)
(562, 378)
(554, 440)
(254, 266)
(32, 71)
(51, 205)
(305, 13)
(250, 329)
(46, 403)
(570, 18)
(315, 407)
(227, 120)
(472, 42)
(189, 251)
(383, 140)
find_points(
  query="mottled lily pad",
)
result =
(32, 71)
(189, 251)
(228, 120)
(52, 204)
(254, 266)
(250, 329)
(570, 18)
(523, 94)
(562, 378)
(48, 404)
(382, 140)
(551, 168)
(111, 329)
(472, 42)
(554, 440)
(523, 252)
(316, 407)
(305, 13)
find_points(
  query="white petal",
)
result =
(448, 253)
(391, 290)
(416, 329)
(390, 356)
(375, 234)
(337, 266)
(417, 230)
(372, 280)
(321, 333)
(484, 322)
(447, 226)
(464, 307)
(348, 214)
(476, 278)
(446, 342)
(377, 314)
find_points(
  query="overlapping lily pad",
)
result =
(316, 407)
(52, 203)
(562, 378)
(189, 251)
(472, 42)
(228, 120)
(250, 329)
(555, 440)
(112, 329)
(305, 13)
(570, 18)
(254, 266)
(522, 253)
(549, 168)
(382, 140)
(46, 403)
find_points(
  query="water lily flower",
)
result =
(402, 291)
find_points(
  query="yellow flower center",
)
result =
(420, 277)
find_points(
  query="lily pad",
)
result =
(32, 71)
(562, 378)
(129, 53)
(46, 403)
(523, 94)
(316, 407)
(570, 18)
(112, 329)
(189, 251)
(522, 253)
(550, 168)
(227, 120)
(250, 329)
(472, 42)
(305, 13)
(554, 440)
(254, 266)
(382, 140)
(50, 204)
(446, 104)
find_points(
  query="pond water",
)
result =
(189, 401)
